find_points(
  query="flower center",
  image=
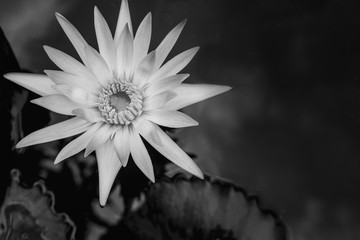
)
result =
(120, 103)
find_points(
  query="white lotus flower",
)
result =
(117, 95)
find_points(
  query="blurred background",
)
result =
(288, 130)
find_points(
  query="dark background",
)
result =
(288, 130)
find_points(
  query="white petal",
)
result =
(69, 64)
(76, 94)
(121, 145)
(77, 145)
(144, 69)
(175, 65)
(124, 18)
(124, 53)
(60, 77)
(167, 44)
(57, 103)
(98, 66)
(56, 131)
(170, 149)
(142, 126)
(37, 83)
(108, 167)
(74, 36)
(140, 155)
(188, 94)
(104, 39)
(164, 84)
(170, 118)
(142, 40)
(89, 114)
(100, 137)
(158, 101)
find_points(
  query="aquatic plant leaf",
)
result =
(12, 97)
(28, 213)
(210, 209)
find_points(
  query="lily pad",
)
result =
(190, 208)
(28, 213)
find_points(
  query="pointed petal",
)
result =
(37, 83)
(170, 118)
(89, 114)
(57, 131)
(57, 103)
(100, 137)
(124, 53)
(98, 66)
(74, 36)
(158, 101)
(69, 64)
(175, 65)
(140, 155)
(165, 84)
(104, 39)
(142, 40)
(167, 44)
(188, 94)
(171, 150)
(124, 18)
(108, 167)
(60, 77)
(142, 125)
(121, 145)
(144, 69)
(76, 94)
(77, 145)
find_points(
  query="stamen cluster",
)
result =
(123, 115)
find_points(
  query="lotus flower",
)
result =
(116, 96)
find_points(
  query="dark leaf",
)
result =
(10, 120)
(28, 213)
(210, 209)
